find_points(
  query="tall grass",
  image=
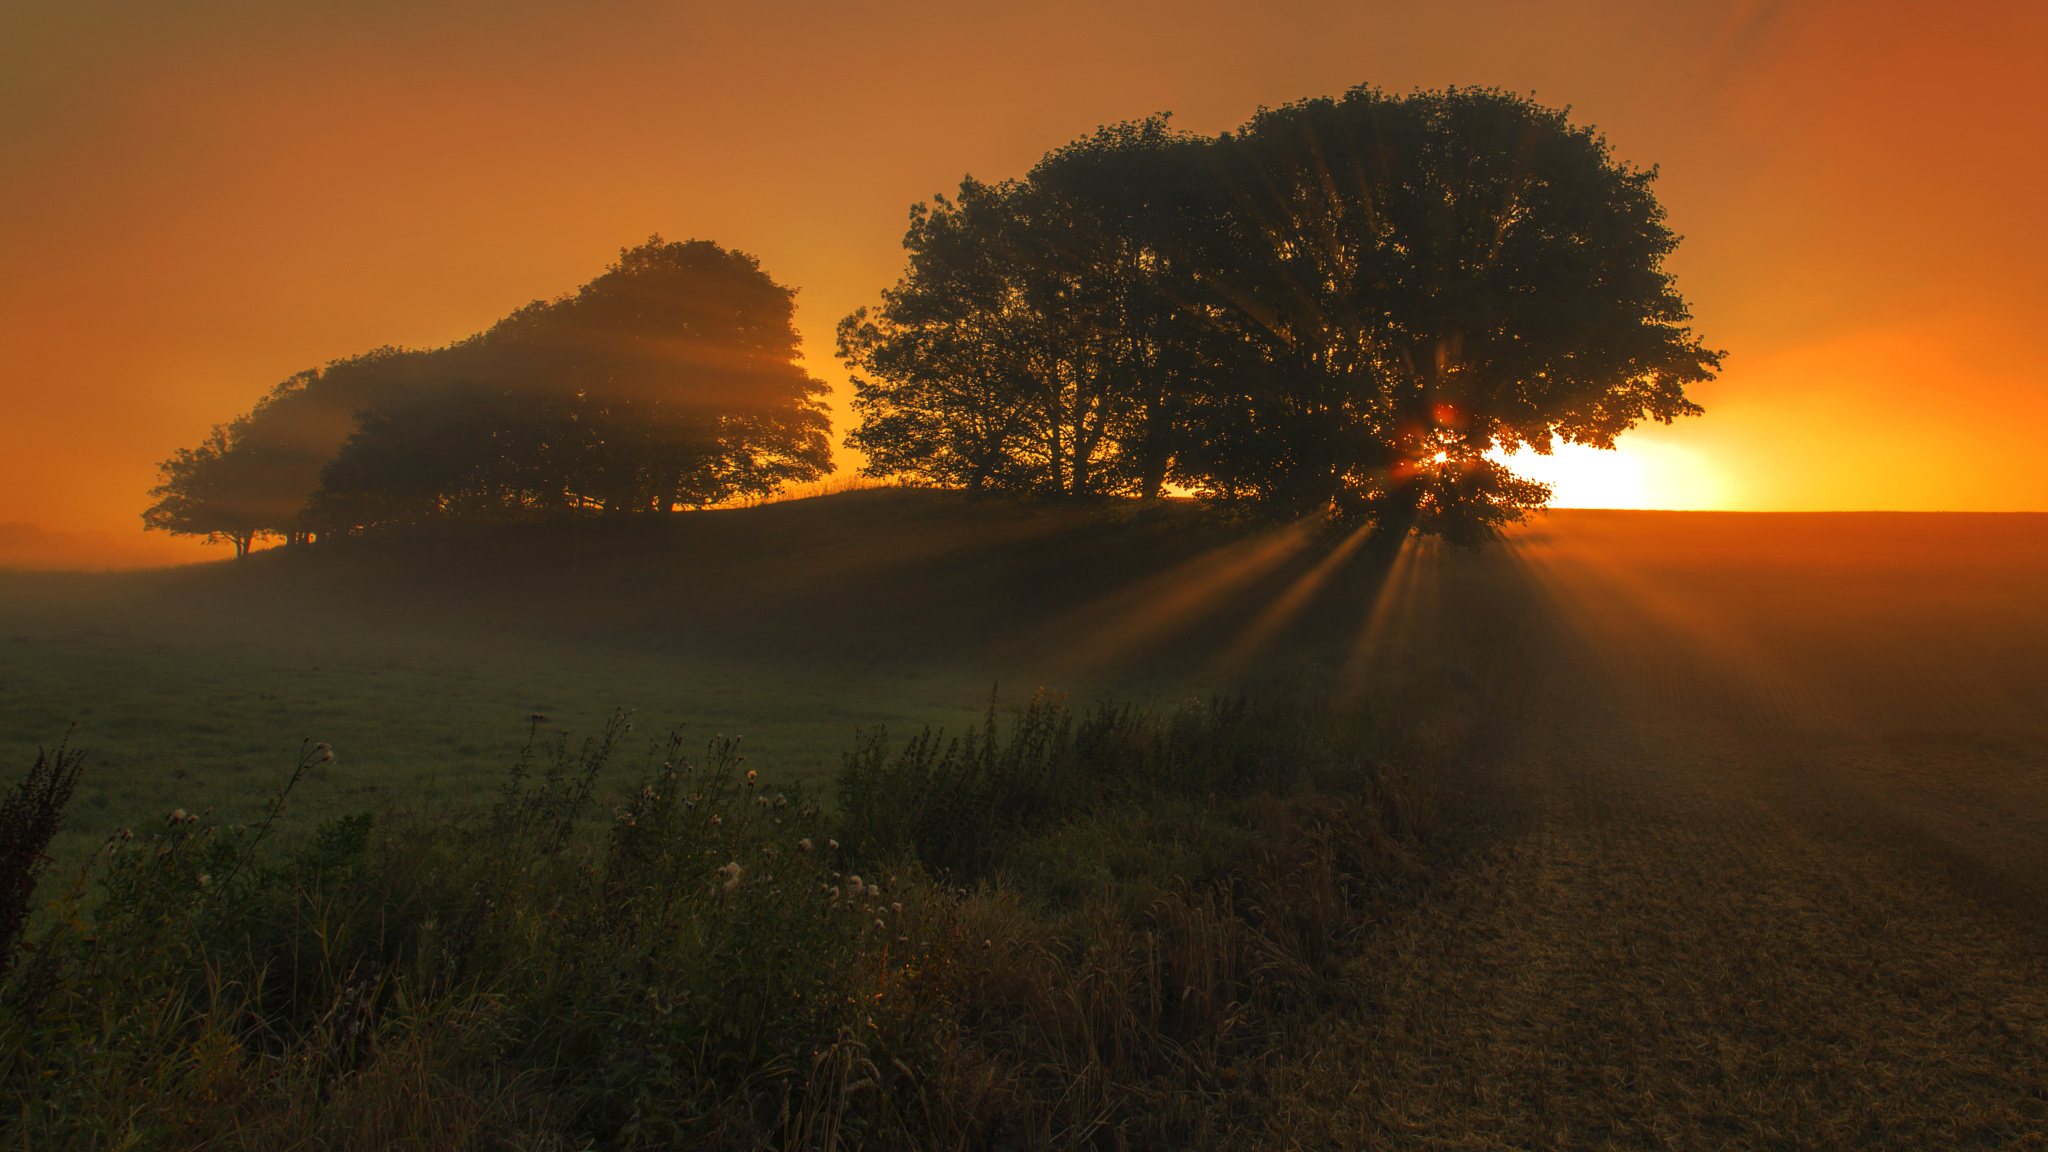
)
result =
(1082, 932)
(30, 815)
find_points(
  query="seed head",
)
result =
(803, 845)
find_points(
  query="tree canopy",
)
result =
(1346, 307)
(669, 381)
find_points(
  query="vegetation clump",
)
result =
(669, 381)
(709, 960)
(1345, 306)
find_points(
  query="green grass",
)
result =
(198, 721)
(707, 958)
(1089, 917)
(791, 625)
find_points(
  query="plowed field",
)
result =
(1758, 848)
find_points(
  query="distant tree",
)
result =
(212, 491)
(669, 382)
(1409, 283)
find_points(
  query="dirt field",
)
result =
(1759, 853)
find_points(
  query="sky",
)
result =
(198, 200)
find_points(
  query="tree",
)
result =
(251, 478)
(211, 491)
(670, 381)
(1407, 284)
(1346, 308)
(1027, 349)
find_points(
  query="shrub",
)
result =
(1066, 937)
(29, 816)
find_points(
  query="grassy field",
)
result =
(792, 625)
(1072, 927)
(1640, 830)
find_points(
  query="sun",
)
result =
(1635, 474)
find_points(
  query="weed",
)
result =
(29, 817)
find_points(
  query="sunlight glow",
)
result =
(1639, 473)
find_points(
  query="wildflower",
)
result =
(879, 924)
(853, 884)
(803, 845)
(177, 816)
(717, 819)
(629, 727)
(896, 908)
(835, 894)
(751, 774)
(732, 873)
(832, 844)
(781, 801)
(761, 800)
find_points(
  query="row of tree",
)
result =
(670, 381)
(1347, 306)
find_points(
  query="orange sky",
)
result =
(197, 200)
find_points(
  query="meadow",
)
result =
(792, 625)
(1635, 830)
(423, 790)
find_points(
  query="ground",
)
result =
(1742, 820)
(1756, 851)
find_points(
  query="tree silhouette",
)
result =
(669, 381)
(1028, 349)
(215, 491)
(1410, 283)
(1345, 308)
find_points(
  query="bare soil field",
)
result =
(1758, 847)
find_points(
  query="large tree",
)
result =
(1028, 348)
(1408, 284)
(1348, 307)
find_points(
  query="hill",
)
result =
(423, 659)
